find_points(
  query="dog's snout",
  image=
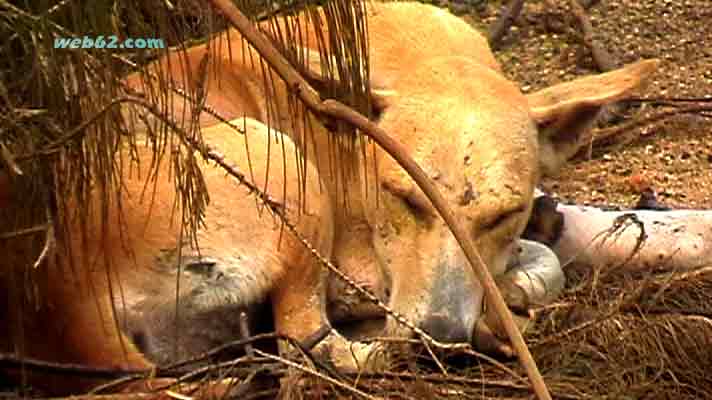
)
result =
(455, 304)
(447, 328)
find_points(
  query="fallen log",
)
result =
(637, 239)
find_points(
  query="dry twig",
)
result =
(335, 109)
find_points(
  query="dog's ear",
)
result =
(564, 112)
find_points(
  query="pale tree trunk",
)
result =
(637, 239)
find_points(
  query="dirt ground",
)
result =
(674, 156)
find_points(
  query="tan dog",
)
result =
(75, 323)
(443, 96)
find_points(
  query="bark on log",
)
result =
(678, 239)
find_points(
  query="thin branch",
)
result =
(75, 133)
(50, 240)
(606, 135)
(499, 28)
(665, 101)
(10, 361)
(602, 58)
(274, 206)
(6, 157)
(335, 109)
(317, 374)
(22, 232)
